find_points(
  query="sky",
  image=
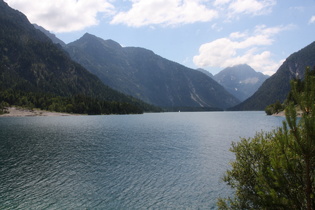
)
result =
(208, 34)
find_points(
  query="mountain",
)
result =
(205, 72)
(31, 65)
(277, 87)
(241, 80)
(141, 73)
(52, 36)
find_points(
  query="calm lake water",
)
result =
(149, 161)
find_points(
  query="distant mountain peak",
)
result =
(277, 86)
(240, 68)
(52, 36)
(205, 72)
(240, 80)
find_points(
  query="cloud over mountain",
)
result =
(73, 15)
(226, 32)
(242, 47)
(63, 16)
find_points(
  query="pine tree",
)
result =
(276, 170)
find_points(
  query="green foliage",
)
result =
(274, 108)
(299, 86)
(78, 104)
(3, 107)
(276, 170)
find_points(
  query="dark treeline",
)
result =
(300, 85)
(78, 104)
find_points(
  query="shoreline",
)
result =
(282, 114)
(23, 112)
(279, 114)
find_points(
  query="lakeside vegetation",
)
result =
(277, 107)
(276, 170)
(274, 108)
(78, 104)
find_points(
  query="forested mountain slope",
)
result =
(31, 63)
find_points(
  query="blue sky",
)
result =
(208, 34)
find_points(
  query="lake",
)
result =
(149, 161)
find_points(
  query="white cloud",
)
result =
(220, 2)
(177, 12)
(63, 15)
(237, 35)
(74, 15)
(252, 7)
(165, 12)
(312, 20)
(216, 27)
(234, 9)
(241, 48)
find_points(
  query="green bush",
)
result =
(276, 170)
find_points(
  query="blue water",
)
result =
(157, 161)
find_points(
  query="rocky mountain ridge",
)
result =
(143, 74)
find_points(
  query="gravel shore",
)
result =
(22, 112)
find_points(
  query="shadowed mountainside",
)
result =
(147, 76)
(31, 64)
